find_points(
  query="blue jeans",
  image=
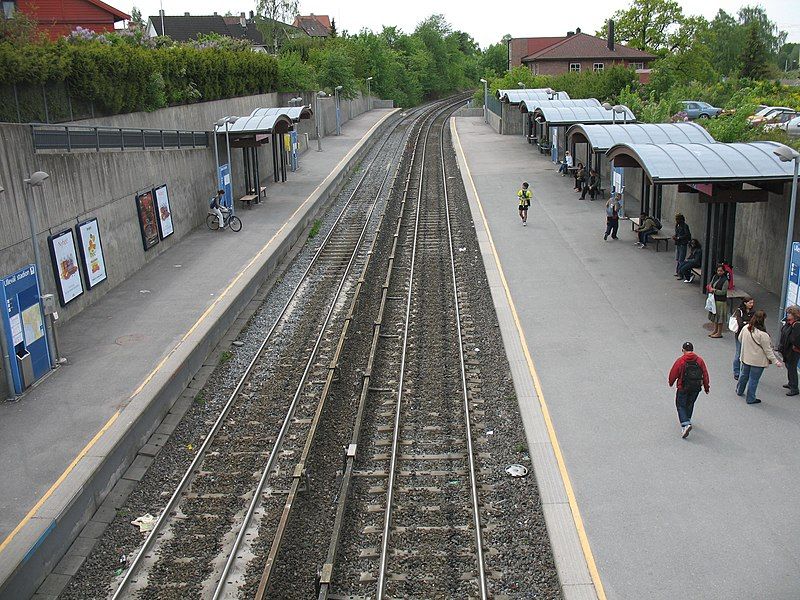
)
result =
(643, 235)
(685, 268)
(680, 255)
(751, 375)
(737, 360)
(684, 402)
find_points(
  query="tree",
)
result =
(725, 42)
(648, 24)
(755, 58)
(333, 28)
(136, 18)
(273, 14)
(494, 59)
(771, 37)
(788, 59)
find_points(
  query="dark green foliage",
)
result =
(755, 57)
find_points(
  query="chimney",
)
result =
(577, 30)
(215, 14)
(242, 21)
(570, 33)
(186, 14)
(611, 34)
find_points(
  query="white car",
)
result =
(771, 115)
(793, 127)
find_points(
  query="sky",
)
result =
(485, 23)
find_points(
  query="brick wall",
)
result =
(556, 67)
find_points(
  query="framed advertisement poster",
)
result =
(148, 221)
(165, 227)
(91, 247)
(64, 256)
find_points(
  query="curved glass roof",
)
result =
(709, 162)
(602, 137)
(531, 105)
(580, 114)
(259, 124)
(518, 95)
(295, 113)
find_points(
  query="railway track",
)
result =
(205, 537)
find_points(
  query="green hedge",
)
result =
(123, 77)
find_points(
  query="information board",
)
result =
(793, 289)
(225, 183)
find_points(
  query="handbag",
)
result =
(733, 324)
(711, 306)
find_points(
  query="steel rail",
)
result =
(465, 393)
(299, 467)
(326, 573)
(136, 562)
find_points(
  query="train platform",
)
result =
(65, 443)
(592, 329)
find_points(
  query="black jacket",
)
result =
(682, 234)
(790, 337)
(743, 317)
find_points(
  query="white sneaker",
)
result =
(685, 431)
(524, 223)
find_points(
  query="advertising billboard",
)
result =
(165, 227)
(148, 221)
(91, 247)
(64, 257)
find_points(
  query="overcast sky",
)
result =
(486, 24)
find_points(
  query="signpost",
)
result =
(793, 289)
(225, 183)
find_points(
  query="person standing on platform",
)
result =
(789, 347)
(757, 355)
(612, 216)
(690, 374)
(743, 314)
(524, 196)
(719, 287)
(681, 238)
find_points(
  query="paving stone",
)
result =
(105, 514)
(83, 546)
(54, 584)
(158, 439)
(70, 564)
(149, 450)
(120, 492)
(93, 529)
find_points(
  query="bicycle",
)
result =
(228, 220)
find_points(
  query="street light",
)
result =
(786, 154)
(33, 181)
(551, 93)
(485, 100)
(369, 94)
(336, 91)
(225, 121)
(520, 84)
(318, 119)
(623, 110)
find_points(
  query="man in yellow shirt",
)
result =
(524, 196)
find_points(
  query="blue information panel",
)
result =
(793, 289)
(23, 322)
(225, 183)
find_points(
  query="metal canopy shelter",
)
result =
(570, 115)
(518, 95)
(599, 138)
(722, 175)
(248, 133)
(295, 113)
(530, 105)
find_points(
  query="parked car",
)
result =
(699, 110)
(793, 127)
(771, 115)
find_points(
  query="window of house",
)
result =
(636, 65)
(8, 9)
(598, 67)
(575, 67)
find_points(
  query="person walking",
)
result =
(743, 315)
(695, 259)
(590, 185)
(566, 165)
(719, 287)
(681, 238)
(580, 177)
(757, 355)
(789, 347)
(524, 196)
(613, 206)
(690, 374)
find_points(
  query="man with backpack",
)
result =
(691, 375)
(647, 226)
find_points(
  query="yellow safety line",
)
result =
(573, 503)
(163, 361)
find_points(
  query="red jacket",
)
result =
(676, 372)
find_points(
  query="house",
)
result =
(576, 52)
(189, 27)
(58, 18)
(314, 25)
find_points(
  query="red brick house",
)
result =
(575, 52)
(314, 25)
(60, 17)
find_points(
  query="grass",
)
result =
(314, 229)
(520, 448)
(200, 398)
(225, 357)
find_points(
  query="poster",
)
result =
(793, 288)
(32, 324)
(165, 227)
(146, 211)
(94, 263)
(16, 329)
(64, 256)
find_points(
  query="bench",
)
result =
(545, 147)
(248, 199)
(658, 238)
(532, 139)
(635, 221)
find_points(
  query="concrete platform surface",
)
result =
(710, 517)
(132, 339)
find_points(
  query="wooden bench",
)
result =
(249, 198)
(658, 238)
(544, 148)
(635, 221)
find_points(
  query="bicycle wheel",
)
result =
(235, 224)
(212, 222)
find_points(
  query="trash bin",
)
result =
(25, 365)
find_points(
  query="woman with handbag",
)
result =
(719, 288)
(757, 355)
(738, 321)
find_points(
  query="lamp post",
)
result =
(369, 94)
(485, 100)
(521, 85)
(318, 119)
(620, 109)
(786, 154)
(36, 180)
(336, 91)
(607, 106)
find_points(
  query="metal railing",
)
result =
(84, 137)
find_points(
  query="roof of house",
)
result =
(314, 25)
(188, 27)
(582, 45)
(535, 44)
(118, 14)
